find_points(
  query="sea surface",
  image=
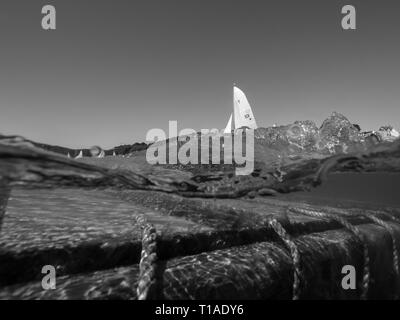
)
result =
(369, 190)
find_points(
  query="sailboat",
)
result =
(114, 154)
(68, 155)
(101, 154)
(242, 116)
(80, 155)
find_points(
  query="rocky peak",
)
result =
(337, 134)
(388, 133)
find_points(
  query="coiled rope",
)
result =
(295, 254)
(147, 287)
(355, 231)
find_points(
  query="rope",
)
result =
(371, 215)
(395, 254)
(354, 230)
(295, 254)
(389, 216)
(147, 284)
(4, 196)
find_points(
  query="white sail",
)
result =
(228, 128)
(114, 154)
(80, 155)
(101, 154)
(68, 155)
(243, 115)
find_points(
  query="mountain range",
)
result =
(281, 143)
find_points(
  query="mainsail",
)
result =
(80, 155)
(242, 116)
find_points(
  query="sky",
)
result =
(112, 70)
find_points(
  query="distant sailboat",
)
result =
(101, 154)
(68, 155)
(114, 154)
(242, 116)
(80, 155)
